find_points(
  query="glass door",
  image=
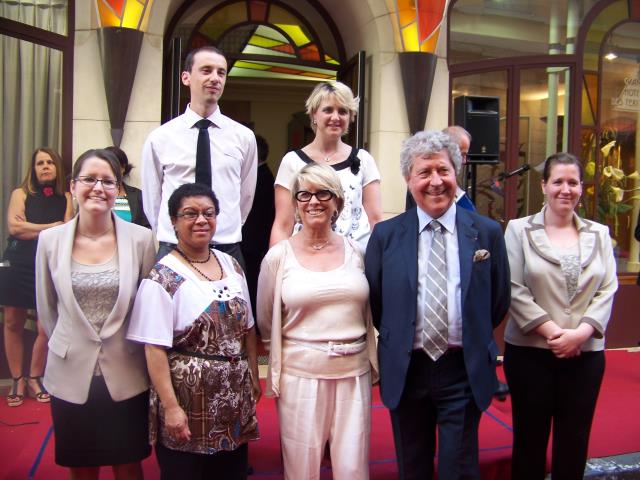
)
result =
(533, 124)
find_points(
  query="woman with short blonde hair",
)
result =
(313, 314)
(331, 108)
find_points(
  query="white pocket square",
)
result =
(481, 255)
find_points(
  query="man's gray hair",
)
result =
(427, 143)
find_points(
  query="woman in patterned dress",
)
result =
(194, 317)
(331, 107)
(563, 280)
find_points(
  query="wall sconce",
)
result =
(611, 56)
(122, 27)
(418, 23)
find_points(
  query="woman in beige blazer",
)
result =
(87, 275)
(563, 280)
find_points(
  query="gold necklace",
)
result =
(321, 245)
(197, 269)
(96, 237)
(328, 157)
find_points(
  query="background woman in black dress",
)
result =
(39, 203)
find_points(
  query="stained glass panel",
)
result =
(251, 31)
(258, 10)
(224, 19)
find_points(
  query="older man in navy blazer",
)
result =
(438, 289)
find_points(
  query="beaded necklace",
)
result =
(190, 262)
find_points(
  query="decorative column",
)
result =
(418, 70)
(418, 24)
(122, 27)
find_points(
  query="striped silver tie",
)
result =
(435, 333)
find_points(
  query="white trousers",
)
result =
(313, 411)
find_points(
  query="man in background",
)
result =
(257, 228)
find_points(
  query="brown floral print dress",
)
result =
(208, 366)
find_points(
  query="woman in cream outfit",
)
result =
(87, 275)
(313, 313)
(563, 280)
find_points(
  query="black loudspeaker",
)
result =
(480, 116)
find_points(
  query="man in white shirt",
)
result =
(169, 156)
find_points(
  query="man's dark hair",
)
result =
(188, 61)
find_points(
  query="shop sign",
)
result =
(629, 98)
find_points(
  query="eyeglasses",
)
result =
(107, 183)
(192, 215)
(321, 195)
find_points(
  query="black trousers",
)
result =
(223, 465)
(437, 396)
(551, 393)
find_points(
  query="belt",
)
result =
(221, 358)
(334, 349)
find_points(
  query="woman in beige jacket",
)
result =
(563, 280)
(87, 275)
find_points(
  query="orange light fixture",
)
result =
(132, 14)
(419, 23)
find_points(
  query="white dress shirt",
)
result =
(454, 306)
(169, 160)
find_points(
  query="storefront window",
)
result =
(489, 29)
(50, 15)
(618, 148)
(31, 107)
(543, 129)
(489, 191)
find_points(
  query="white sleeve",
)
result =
(289, 166)
(248, 178)
(151, 174)
(232, 265)
(152, 315)
(370, 172)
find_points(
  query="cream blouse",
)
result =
(309, 309)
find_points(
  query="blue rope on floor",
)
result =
(36, 462)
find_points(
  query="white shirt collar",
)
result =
(447, 220)
(192, 117)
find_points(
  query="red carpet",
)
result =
(26, 449)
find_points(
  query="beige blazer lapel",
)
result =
(589, 242)
(538, 238)
(65, 250)
(588, 239)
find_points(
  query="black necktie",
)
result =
(203, 153)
